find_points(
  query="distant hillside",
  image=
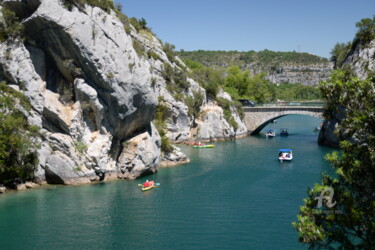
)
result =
(290, 67)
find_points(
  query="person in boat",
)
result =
(148, 183)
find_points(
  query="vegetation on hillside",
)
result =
(350, 223)
(11, 28)
(18, 156)
(339, 53)
(106, 5)
(240, 85)
(161, 115)
(176, 80)
(266, 60)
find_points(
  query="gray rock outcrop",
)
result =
(309, 75)
(362, 59)
(74, 69)
(94, 96)
(174, 158)
(140, 155)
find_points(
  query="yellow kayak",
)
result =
(204, 146)
(148, 185)
(147, 188)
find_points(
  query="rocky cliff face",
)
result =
(309, 75)
(93, 95)
(361, 60)
(280, 67)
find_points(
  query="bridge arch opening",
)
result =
(264, 124)
(271, 120)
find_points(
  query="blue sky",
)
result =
(312, 26)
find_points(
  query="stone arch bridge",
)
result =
(256, 118)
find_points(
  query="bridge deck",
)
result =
(279, 109)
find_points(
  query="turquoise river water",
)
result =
(234, 196)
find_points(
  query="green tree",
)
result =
(143, 23)
(339, 53)
(238, 80)
(366, 30)
(18, 156)
(260, 89)
(350, 223)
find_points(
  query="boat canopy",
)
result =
(285, 150)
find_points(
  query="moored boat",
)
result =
(284, 132)
(270, 133)
(285, 155)
(204, 146)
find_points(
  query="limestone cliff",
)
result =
(94, 87)
(280, 67)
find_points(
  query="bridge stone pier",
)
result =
(256, 118)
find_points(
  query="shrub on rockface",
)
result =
(18, 147)
(194, 103)
(11, 28)
(161, 116)
(175, 78)
(225, 105)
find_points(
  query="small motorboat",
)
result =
(204, 146)
(285, 155)
(270, 133)
(284, 132)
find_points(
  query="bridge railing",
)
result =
(282, 108)
(288, 104)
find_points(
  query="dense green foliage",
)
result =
(297, 92)
(350, 223)
(18, 156)
(266, 60)
(161, 116)
(366, 30)
(12, 27)
(339, 53)
(207, 77)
